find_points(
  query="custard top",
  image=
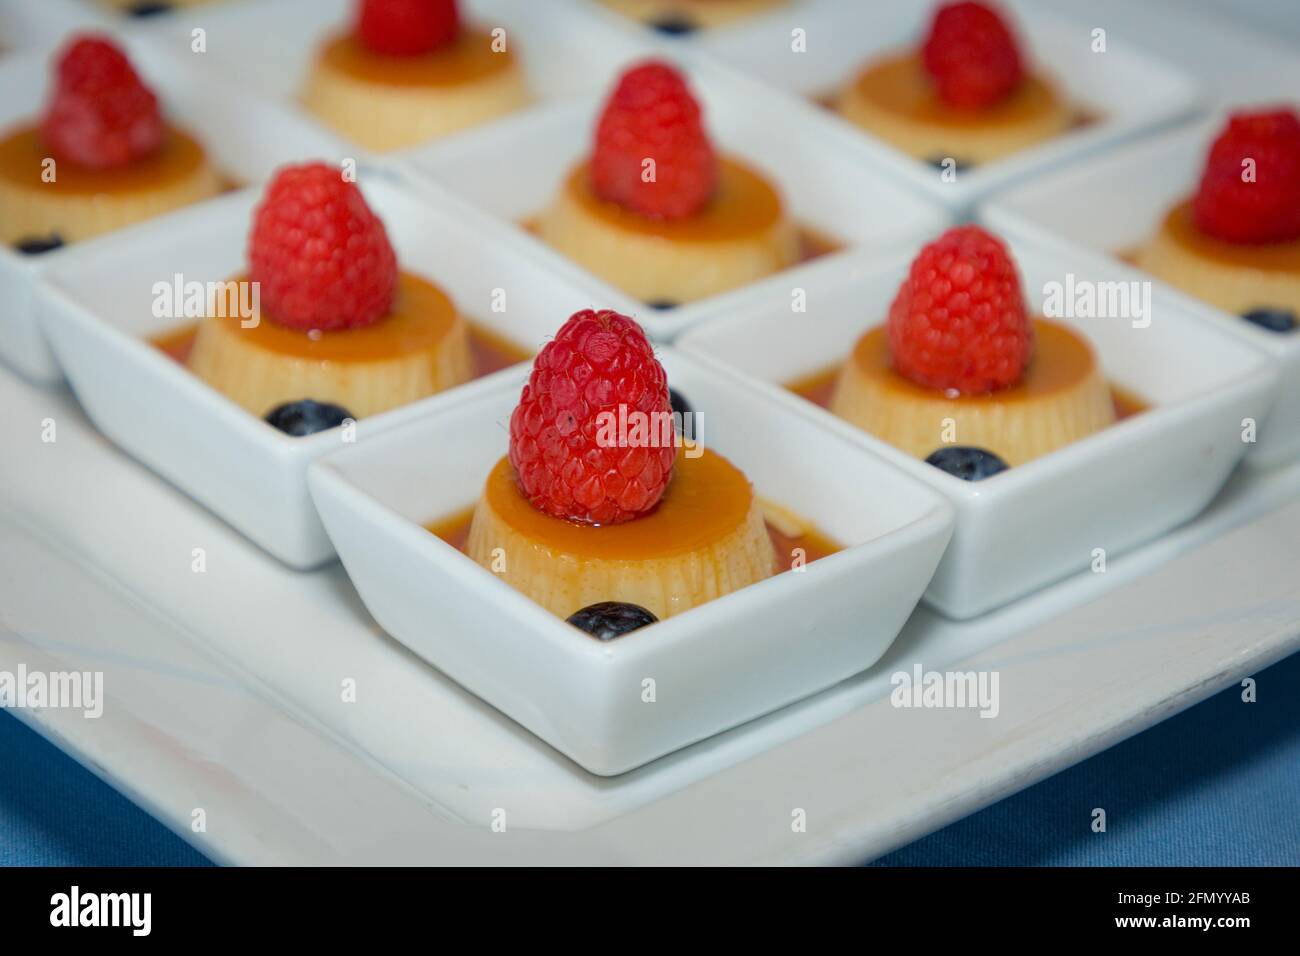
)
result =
(1180, 226)
(468, 58)
(22, 153)
(1062, 358)
(707, 499)
(899, 84)
(743, 204)
(421, 315)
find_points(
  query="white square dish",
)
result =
(246, 137)
(1116, 203)
(96, 306)
(1128, 90)
(827, 189)
(714, 666)
(1042, 520)
(269, 46)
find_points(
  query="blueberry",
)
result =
(678, 403)
(674, 26)
(148, 9)
(1275, 320)
(35, 246)
(610, 619)
(967, 463)
(662, 304)
(306, 417)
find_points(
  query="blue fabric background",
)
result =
(1216, 785)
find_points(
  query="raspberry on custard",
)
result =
(959, 322)
(972, 55)
(651, 115)
(1250, 189)
(599, 364)
(407, 27)
(321, 257)
(100, 113)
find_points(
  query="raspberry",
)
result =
(959, 321)
(652, 115)
(971, 55)
(565, 444)
(407, 27)
(1259, 209)
(321, 257)
(100, 114)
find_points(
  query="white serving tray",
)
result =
(224, 688)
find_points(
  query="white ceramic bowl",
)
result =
(246, 137)
(268, 46)
(1040, 521)
(1128, 88)
(96, 305)
(1117, 202)
(826, 187)
(714, 666)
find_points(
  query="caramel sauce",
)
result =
(1071, 360)
(813, 243)
(421, 316)
(1180, 225)
(707, 498)
(743, 204)
(468, 58)
(22, 155)
(489, 352)
(899, 84)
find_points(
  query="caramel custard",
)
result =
(387, 102)
(895, 98)
(741, 234)
(707, 537)
(81, 202)
(419, 348)
(1061, 398)
(1237, 278)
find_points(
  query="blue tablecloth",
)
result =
(1218, 784)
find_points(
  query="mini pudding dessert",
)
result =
(410, 71)
(655, 211)
(962, 376)
(606, 511)
(687, 16)
(335, 322)
(1236, 242)
(965, 95)
(101, 157)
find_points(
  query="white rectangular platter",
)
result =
(224, 689)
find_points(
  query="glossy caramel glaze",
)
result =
(489, 352)
(899, 84)
(813, 544)
(707, 499)
(656, 534)
(421, 316)
(467, 59)
(22, 155)
(743, 205)
(871, 352)
(1180, 225)
(1072, 360)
